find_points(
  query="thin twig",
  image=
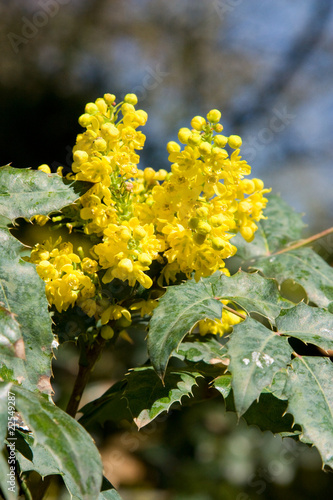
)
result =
(304, 242)
(92, 354)
(229, 309)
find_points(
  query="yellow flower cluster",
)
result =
(67, 277)
(183, 219)
(205, 199)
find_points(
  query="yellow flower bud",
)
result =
(131, 99)
(109, 98)
(203, 227)
(214, 116)
(126, 265)
(127, 108)
(45, 168)
(144, 259)
(248, 186)
(101, 105)
(259, 185)
(194, 139)
(100, 144)
(218, 243)
(198, 122)
(218, 127)
(184, 134)
(173, 147)
(205, 148)
(149, 175)
(193, 222)
(110, 130)
(124, 322)
(247, 233)
(139, 233)
(161, 174)
(84, 120)
(202, 212)
(91, 108)
(220, 141)
(107, 332)
(199, 239)
(80, 156)
(235, 141)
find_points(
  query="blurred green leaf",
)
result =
(256, 354)
(310, 400)
(303, 266)
(24, 192)
(70, 446)
(145, 396)
(201, 349)
(309, 324)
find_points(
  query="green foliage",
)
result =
(256, 368)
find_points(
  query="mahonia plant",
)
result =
(157, 251)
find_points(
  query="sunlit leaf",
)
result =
(256, 354)
(310, 401)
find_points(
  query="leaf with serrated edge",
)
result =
(147, 397)
(71, 446)
(25, 193)
(281, 226)
(256, 354)
(309, 324)
(252, 292)
(180, 308)
(303, 266)
(206, 350)
(109, 495)
(22, 293)
(11, 341)
(310, 400)
(223, 384)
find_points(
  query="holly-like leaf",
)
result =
(203, 349)
(223, 384)
(269, 414)
(303, 266)
(145, 395)
(180, 308)
(25, 193)
(33, 456)
(281, 226)
(71, 447)
(310, 400)
(309, 324)
(252, 292)
(22, 293)
(11, 342)
(256, 354)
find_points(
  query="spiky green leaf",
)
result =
(309, 324)
(303, 266)
(71, 447)
(310, 400)
(25, 193)
(256, 354)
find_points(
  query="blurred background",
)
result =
(268, 66)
